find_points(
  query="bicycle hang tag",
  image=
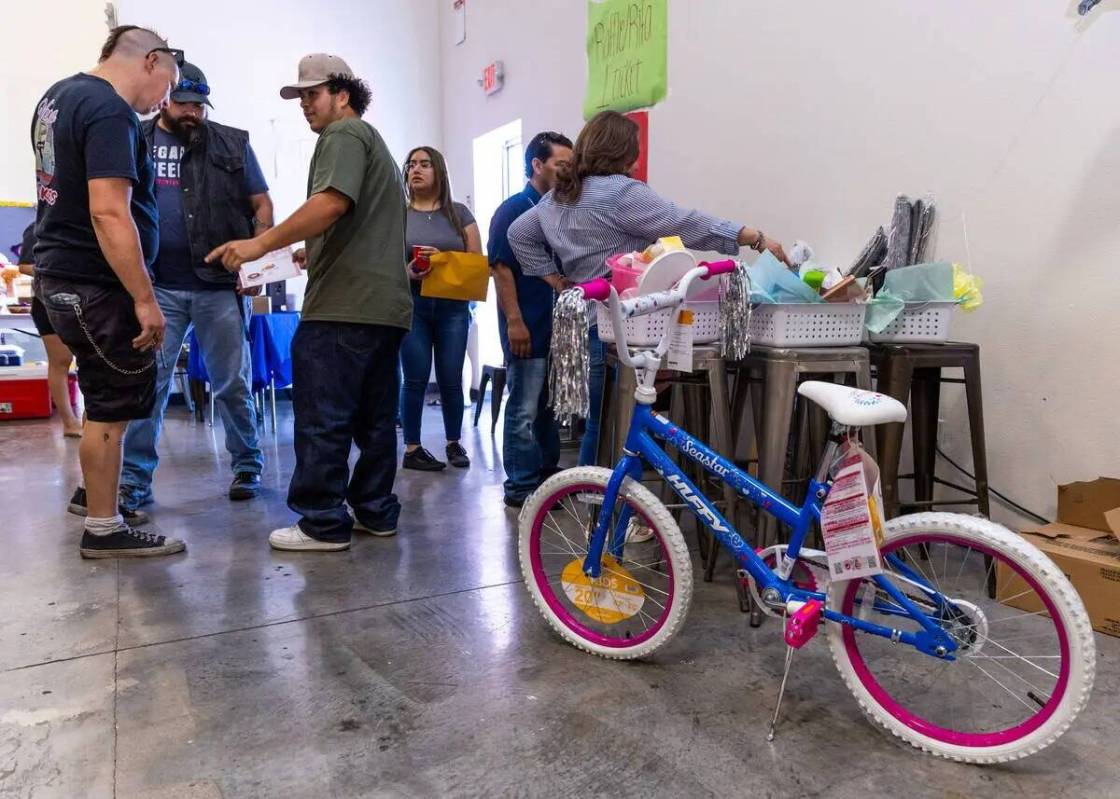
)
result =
(851, 520)
(680, 340)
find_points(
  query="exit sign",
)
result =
(492, 78)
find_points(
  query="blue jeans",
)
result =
(531, 437)
(438, 326)
(221, 321)
(344, 393)
(588, 447)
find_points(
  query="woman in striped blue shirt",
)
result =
(597, 210)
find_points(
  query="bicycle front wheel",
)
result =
(642, 596)
(1025, 660)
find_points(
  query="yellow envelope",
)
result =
(457, 276)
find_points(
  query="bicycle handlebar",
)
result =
(601, 290)
(717, 268)
(597, 289)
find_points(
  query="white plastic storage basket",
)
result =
(647, 330)
(807, 324)
(919, 323)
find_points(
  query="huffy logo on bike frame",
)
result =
(698, 504)
(706, 460)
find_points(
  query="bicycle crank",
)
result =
(807, 574)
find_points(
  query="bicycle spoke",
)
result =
(1020, 616)
(1001, 685)
(1016, 655)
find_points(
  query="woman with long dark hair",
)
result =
(439, 327)
(597, 210)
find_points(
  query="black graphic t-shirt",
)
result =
(82, 130)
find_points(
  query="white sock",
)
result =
(106, 526)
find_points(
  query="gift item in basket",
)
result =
(648, 329)
(807, 324)
(898, 245)
(919, 283)
(919, 323)
(871, 255)
(666, 270)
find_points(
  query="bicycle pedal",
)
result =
(803, 624)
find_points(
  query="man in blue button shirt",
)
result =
(531, 441)
(210, 189)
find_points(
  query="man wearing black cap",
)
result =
(210, 189)
(355, 313)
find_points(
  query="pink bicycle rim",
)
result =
(570, 621)
(943, 734)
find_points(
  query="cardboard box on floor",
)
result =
(1085, 544)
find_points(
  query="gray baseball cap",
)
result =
(315, 70)
(192, 87)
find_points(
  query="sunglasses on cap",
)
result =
(179, 56)
(187, 85)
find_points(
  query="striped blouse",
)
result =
(613, 214)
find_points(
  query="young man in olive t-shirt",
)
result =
(356, 310)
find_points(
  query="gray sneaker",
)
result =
(128, 543)
(77, 506)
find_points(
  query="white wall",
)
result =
(43, 42)
(805, 119)
(249, 50)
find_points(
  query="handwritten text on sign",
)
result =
(626, 55)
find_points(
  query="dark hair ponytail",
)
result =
(607, 145)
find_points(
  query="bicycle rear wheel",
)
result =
(640, 600)
(1026, 658)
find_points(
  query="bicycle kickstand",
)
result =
(781, 693)
(800, 627)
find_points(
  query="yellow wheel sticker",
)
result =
(612, 597)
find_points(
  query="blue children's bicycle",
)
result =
(971, 644)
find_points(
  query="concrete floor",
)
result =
(411, 666)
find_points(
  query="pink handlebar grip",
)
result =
(716, 268)
(597, 289)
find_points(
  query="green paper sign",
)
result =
(627, 47)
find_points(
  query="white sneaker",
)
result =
(293, 539)
(636, 532)
(361, 528)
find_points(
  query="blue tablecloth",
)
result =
(270, 344)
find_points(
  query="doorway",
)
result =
(499, 172)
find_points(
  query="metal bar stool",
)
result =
(709, 376)
(771, 374)
(912, 372)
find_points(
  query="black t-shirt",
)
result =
(81, 130)
(27, 246)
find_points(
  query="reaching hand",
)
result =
(775, 248)
(233, 254)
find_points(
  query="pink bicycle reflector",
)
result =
(803, 624)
